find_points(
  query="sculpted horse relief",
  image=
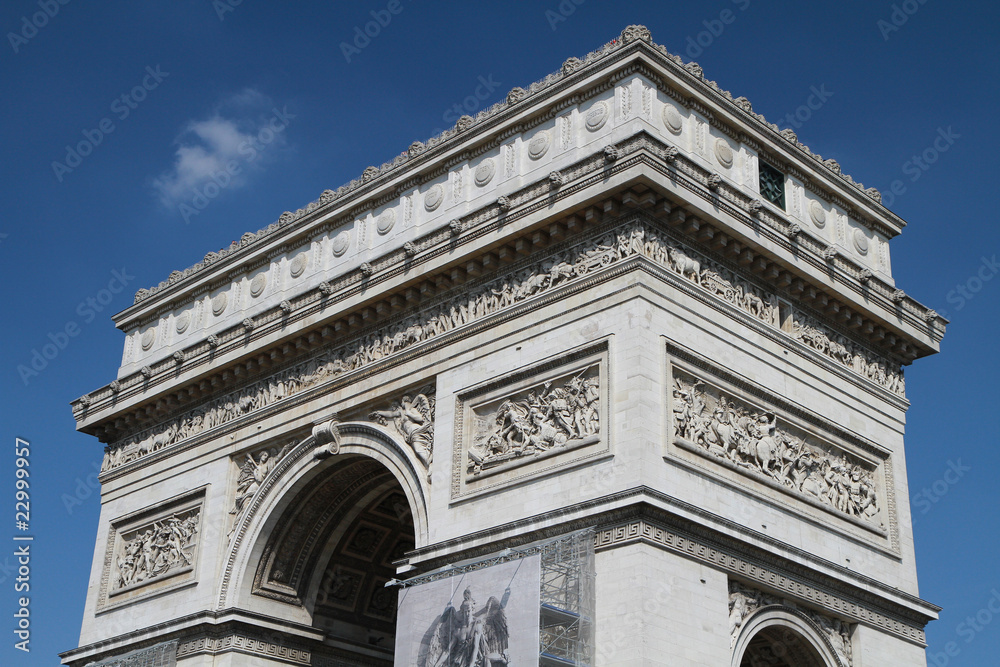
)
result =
(753, 440)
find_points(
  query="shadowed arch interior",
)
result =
(333, 548)
(778, 646)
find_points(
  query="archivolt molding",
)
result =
(797, 625)
(750, 610)
(309, 460)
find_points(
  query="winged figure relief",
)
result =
(252, 475)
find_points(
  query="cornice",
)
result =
(421, 155)
(441, 243)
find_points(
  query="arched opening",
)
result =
(352, 602)
(777, 646)
(331, 553)
(779, 636)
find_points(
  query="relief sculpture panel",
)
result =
(760, 444)
(152, 550)
(531, 422)
(551, 416)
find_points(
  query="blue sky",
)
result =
(162, 95)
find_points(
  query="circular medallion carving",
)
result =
(724, 152)
(298, 265)
(219, 303)
(484, 172)
(539, 145)
(434, 197)
(672, 118)
(148, 338)
(258, 284)
(597, 116)
(817, 213)
(341, 242)
(183, 322)
(860, 242)
(385, 221)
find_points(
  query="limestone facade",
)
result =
(575, 310)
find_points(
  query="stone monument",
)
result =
(610, 373)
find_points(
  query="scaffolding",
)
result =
(566, 614)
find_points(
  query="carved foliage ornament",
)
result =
(758, 443)
(492, 297)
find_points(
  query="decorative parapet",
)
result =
(419, 150)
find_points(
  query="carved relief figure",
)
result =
(580, 260)
(156, 550)
(252, 475)
(543, 418)
(413, 418)
(752, 440)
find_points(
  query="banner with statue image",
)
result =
(483, 617)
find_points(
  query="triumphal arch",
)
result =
(610, 373)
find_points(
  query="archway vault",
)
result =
(313, 497)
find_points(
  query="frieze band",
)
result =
(749, 570)
(636, 239)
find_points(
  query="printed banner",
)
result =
(481, 618)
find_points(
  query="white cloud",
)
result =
(206, 147)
